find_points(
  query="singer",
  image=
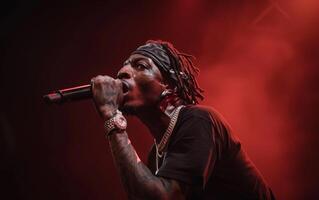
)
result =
(195, 154)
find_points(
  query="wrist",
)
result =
(116, 135)
(107, 113)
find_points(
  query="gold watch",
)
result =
(117, 122)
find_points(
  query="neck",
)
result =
(155, 120)
(157, 117)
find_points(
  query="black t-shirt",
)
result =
(203, 153)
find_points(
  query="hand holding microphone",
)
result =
(107, 95)
(106, 91)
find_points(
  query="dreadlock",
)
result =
(184, 69)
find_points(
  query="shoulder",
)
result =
(195, 111)
(203, 112)
(194, 120)
(208, 117)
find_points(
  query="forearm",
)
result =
(138, 180)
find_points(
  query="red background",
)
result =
(259, 68)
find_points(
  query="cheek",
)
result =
(150, 88)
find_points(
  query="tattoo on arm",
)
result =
(138, 180)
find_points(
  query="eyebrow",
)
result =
(128, 61)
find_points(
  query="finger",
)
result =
(95, 80)
(92, 84)
(118, 82)
(99, 82)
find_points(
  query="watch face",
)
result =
(120, 122)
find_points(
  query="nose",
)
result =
(126, 72)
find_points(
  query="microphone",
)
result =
(68, 94)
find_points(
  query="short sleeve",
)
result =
(190, 155)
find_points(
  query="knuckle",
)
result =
(118, 83)
(99, 80)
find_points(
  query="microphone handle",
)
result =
(69, 94)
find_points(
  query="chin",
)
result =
(133, 108)
(130, 108)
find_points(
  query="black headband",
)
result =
(160, 56)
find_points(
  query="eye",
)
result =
(141, 66)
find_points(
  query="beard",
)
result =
(136, 110)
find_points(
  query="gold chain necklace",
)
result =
(159, 148)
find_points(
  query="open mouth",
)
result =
(125, 87)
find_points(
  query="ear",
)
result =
(164, 86)
(167, 91)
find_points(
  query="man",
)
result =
(195, 155)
